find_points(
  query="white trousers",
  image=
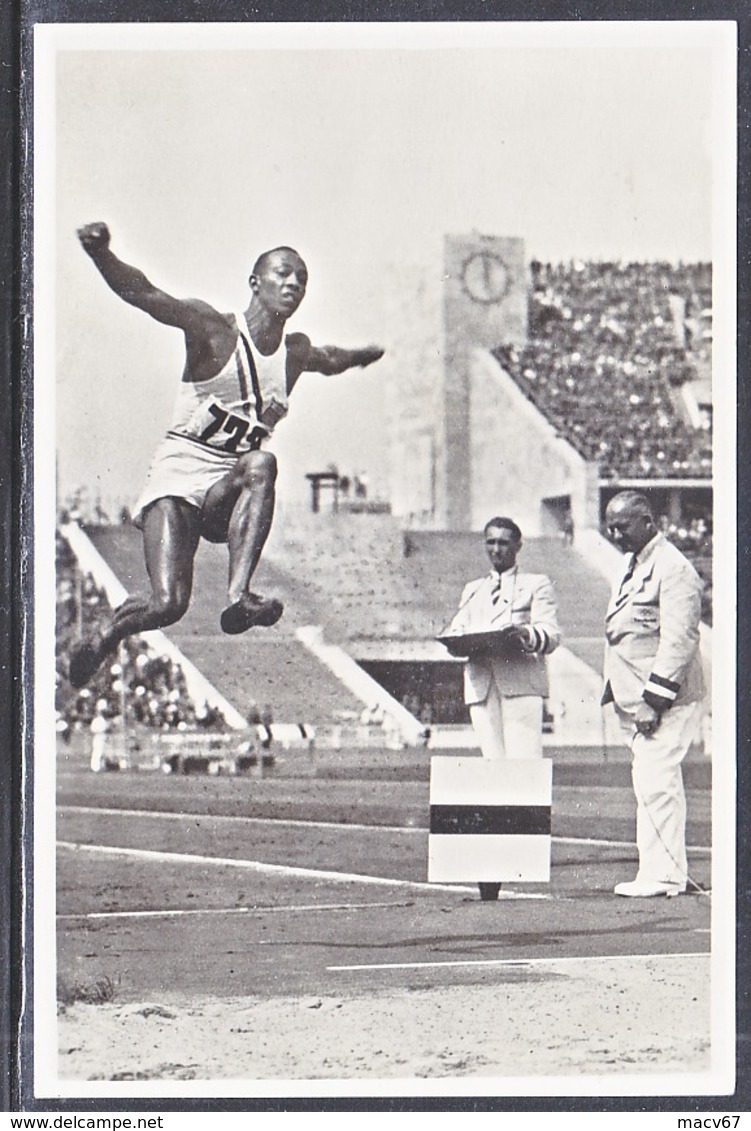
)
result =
(508, 726)
(660, 798)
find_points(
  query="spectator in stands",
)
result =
(265, 721)
(99, 727)
(151, 689)
(212, 478)
(505, 683)
(372, 716)
(603, 347)
(62, 727)
(653, 676)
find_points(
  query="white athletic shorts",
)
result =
(183, 469)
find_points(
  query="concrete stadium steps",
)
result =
(359, 577)
(353, 567)
(373, 581)
(122, 548)
(445, 561)
(262, 666)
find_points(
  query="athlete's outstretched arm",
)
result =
(333, 359)
(131, 285)
(302, 357)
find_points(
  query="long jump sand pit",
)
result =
(561, 1018)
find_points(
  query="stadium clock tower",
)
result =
(484, 306)
(439, 422)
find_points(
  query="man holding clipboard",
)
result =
(506, 624)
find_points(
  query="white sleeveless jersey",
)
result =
(235, 411)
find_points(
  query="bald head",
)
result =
(630, 521)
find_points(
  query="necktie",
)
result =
(495, 592)
(628, 574)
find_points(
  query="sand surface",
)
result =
(605, 1016)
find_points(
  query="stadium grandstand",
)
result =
(618, 361)
(609, 342)
(601, 382)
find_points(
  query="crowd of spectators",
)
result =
(83, 506)
(422, 709)
(138, 687)
(607, 352)
(693, 536)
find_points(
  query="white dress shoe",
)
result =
(646, 889)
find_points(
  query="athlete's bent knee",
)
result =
(257, 470)
(169, 608)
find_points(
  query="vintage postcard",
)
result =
(347, 337)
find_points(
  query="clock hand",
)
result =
(486, 273)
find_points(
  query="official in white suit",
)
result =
(504, 690)
(653, 676)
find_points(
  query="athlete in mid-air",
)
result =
(212, 476)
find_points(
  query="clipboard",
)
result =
(497, 641)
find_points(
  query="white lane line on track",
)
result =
(698, 849)
(278, 869)
(340, 826)
(591, 842)
(177, 913)
(346, 826)
(515, 962)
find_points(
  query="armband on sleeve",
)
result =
(660, 693)
(539, 640)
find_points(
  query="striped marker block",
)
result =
(489, 820)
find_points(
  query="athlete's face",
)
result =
(280, 283)
(502, 547)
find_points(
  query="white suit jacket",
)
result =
(652, 632)
(527, 599)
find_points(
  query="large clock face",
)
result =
(485, 277)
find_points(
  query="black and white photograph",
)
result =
(384, 435)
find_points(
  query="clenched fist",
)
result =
(94, 237)
(368, 355)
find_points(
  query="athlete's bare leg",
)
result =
(171, 531)
(241, 508)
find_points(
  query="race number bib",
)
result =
(225, 430)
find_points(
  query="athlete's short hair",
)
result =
(505, 524)
(264, 257)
